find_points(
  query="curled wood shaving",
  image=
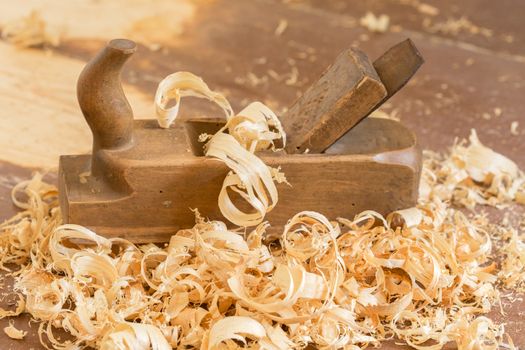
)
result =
(14, 333)
(255, 128)
(30, 31)
(180, 84)
(235, 328)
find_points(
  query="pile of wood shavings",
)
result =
(424, 275)
(472, 175)
(420, 274)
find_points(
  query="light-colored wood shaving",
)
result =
(421, 7)
(14, 333)
(427, 9)
(281, 27)
(377, 24)
(82, 177)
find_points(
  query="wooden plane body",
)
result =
(147, 190)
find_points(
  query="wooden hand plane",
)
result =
(141, 181)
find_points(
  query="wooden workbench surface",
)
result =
(475, 69)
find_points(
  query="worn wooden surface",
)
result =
(474, 75)
(162, 186)
(346, 92)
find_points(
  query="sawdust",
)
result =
(376, 24)
(456, 26)
(379, 113)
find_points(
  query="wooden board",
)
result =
(346, 92)
(465, 79)
(39, 118)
